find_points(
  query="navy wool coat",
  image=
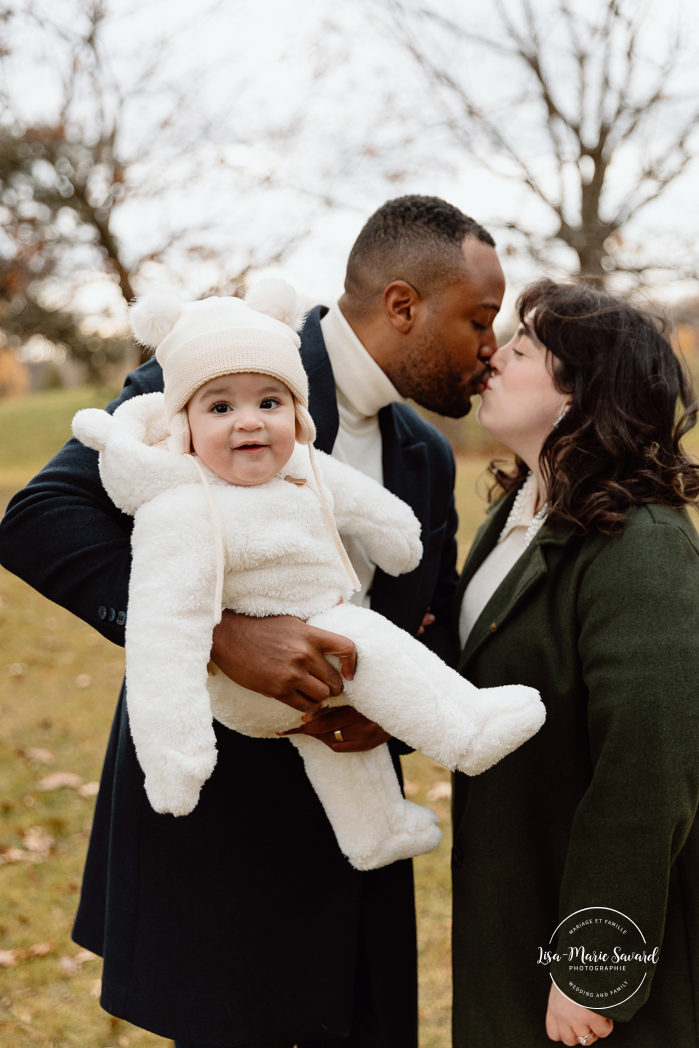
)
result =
(242, 922)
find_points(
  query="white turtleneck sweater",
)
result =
(362, 390)
(508, 549)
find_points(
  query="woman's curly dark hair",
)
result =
(632, 401)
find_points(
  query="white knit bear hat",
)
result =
(197, 341)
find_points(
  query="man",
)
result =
(242, 925)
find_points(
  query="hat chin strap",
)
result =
(218, 540)
(217, 529)
(330, 521)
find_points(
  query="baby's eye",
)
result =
(269, 402)
(221, 408)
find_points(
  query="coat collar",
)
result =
(322, 399)
(523, 576)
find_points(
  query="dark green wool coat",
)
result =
(598, 809)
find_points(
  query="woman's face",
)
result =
(520, 400)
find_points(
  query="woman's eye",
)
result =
(516, 352)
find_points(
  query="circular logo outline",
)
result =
(599, 1007)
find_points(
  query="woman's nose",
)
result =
(496, 359)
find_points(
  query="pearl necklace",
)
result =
(522, 497)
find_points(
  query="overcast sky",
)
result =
(255, 64)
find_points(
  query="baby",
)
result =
(233, 510)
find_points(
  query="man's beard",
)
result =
(425, 375)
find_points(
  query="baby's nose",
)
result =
(248, 422)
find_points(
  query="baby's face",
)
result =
(243, 427)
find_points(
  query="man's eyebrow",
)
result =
(490, 305)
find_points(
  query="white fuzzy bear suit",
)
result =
(272, 549)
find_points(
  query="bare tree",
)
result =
(116, 139)
(583, 102)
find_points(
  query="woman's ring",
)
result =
(581, 1040)
(339, 738)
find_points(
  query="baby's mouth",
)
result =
(250, 447)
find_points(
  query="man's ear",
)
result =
(400, 302)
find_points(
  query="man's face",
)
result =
(444, 359)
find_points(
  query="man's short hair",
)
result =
(414, 238)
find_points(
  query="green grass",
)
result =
(33, 428)
(58, 685)
(59, 681)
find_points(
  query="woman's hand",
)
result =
(569, 1022)
(358, 733)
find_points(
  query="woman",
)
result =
(584, 582)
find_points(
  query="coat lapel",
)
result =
(483, 544)
(322, 399)
(405, 465)
(522, 578)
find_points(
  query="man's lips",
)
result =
(481, 383)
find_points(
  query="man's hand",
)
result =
(358, 733)
(282, 657)
(568, 1022)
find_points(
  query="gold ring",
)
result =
(338, 735)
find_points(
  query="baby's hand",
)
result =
(573, 1024)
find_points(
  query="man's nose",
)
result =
(488, 346)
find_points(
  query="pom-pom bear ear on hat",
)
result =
(93, 428)
(153, 317)
(277, 299)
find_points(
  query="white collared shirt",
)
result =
(499, 562)
(362, 390)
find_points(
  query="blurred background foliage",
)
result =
(177, 161)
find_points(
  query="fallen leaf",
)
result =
(16, 669)
(96, 989)
(57, 779)
(89, 789)
(83, 680)
(72, 965)
(18, 855)
(35, 753)
(441, 791)
(410, 789)
(37, 840)
(39, 949)
(8, 958)
(123, 1041)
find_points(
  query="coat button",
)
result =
(493, 627)
(102, 612)
(456, 856)
(112, 615)
(121, 618)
